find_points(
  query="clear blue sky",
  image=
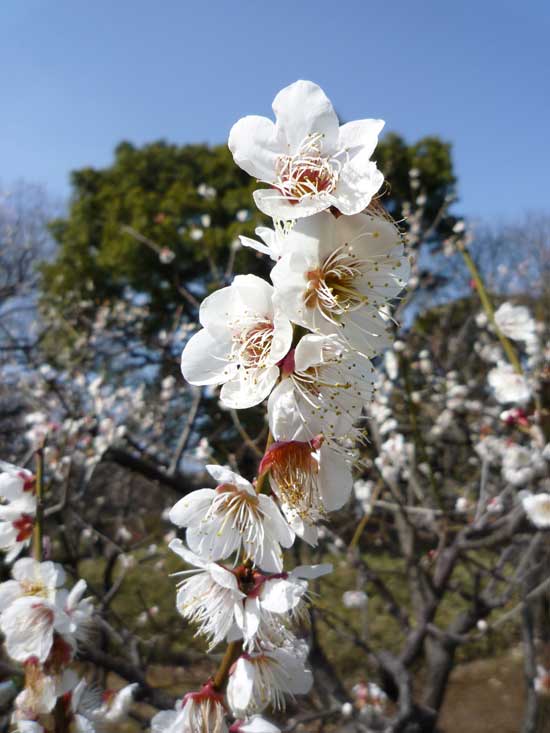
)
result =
(76, 77)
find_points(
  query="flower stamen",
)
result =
(307, 173)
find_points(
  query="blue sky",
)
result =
(77, 77)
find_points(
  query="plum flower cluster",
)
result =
(304, 343)
(42, 623)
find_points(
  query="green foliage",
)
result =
(154, 191)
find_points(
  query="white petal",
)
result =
(251, 618)
(360, 136)
(8, 533)
(335, 478)
(162, 722)
(26, 569)
(258, 246)
(213, 541)
(190, 558)
(255, 146)
(205, 359)
(52, 574)
(244, 391)
(271, 202)
(11, 486)
(358, 183)
(75, 595)
(218, 310)
(309, 352)
(240, 686)
(311, 571)
(29, 726)
(83, 724)
(284, 418)
(223, 577)
(303, 108)
(289, 279)
(9, 592)
(299, 679)
(223, 475)
(280, 596)
(191, 509)
(253, 294)
(28, 625)
(282, 337)
(275, 521)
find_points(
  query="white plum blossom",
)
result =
(18, 510)
(42, 622)
(537, 508)
(491, 449)
(521, 464)
(309, 161)
(166, 255)
(369, 696)
(329, 384)
(244, 337)
(355, 599)
(221, 521)
(265, 678)
(508, 385)
(336, 274)
(394, 458)
(304, 343)
(208, 597)
(462, 505)
(515, 321)
(31, 578)
(29, 624)
(364, 491)
(309, 477)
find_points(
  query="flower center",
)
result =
(34, 588)
(295, 470)
(307, 173)
(239, 508)
(252, 345)
(332, 287)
